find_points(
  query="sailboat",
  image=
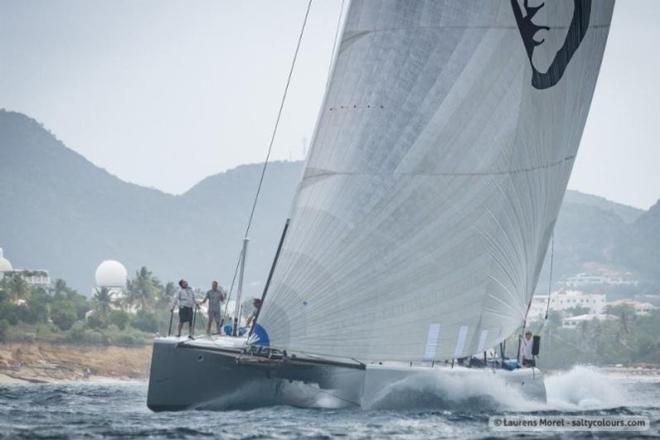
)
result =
(439, 162)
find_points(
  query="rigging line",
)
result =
(279, 116)
(524, 324)
(552, 262)
(334, 42)
(270, 277)
(552, 259)
(270, 145)
(233, 281)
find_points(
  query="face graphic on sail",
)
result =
(551, 32)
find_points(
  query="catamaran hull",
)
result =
(186, 377)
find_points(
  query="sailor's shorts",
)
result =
(215, 315)
(185, 314)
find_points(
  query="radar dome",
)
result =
(5, 265)
(111, 273)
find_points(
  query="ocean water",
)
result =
(408, 411)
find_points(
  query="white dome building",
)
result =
(111, 274)
(5, 264)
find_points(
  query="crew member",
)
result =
(216, 297)
(526, 349)
(185, 299)
(256, 303)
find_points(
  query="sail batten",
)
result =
(434, 179)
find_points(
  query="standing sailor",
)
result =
(216, 296)
(185, 299)
(526, 351)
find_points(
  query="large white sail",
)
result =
(440, 159)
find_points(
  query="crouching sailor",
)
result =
(185, 299)
(526, 352)
(256, 305)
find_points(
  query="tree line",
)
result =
(61, 314)
(630, 338)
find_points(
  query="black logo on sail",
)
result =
(576, 31)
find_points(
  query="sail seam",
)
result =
(359, 33)
(464, 173)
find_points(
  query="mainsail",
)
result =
(439, 162)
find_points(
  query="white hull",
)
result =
(215, 375)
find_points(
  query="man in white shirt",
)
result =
(185, 299)
(526, 350)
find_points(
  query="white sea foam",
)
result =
(280, 392)
(585, 388)
(581, 388)
(434, 390)
(312, 396)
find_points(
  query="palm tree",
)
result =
(625, 313)
(60, 286)
(18, 288)
(103, 300)
(61, 289)
(165, 295)
(143, 290)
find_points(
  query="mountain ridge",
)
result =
(63, 205)
(61, 212)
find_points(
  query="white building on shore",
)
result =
(610, 279)
(567, 299)
(38, 278)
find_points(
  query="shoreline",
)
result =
(43, 362)
(10, 379)
(46, 362)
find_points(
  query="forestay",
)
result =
(438, 166)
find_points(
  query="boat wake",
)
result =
(585, 388)
(265, 393)
(580, 389)
(438, 392)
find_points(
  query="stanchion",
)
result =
(192, 328)
(169, 329)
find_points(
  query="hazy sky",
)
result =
(166, 92)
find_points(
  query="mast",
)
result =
(270, 274)
(239, 294)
